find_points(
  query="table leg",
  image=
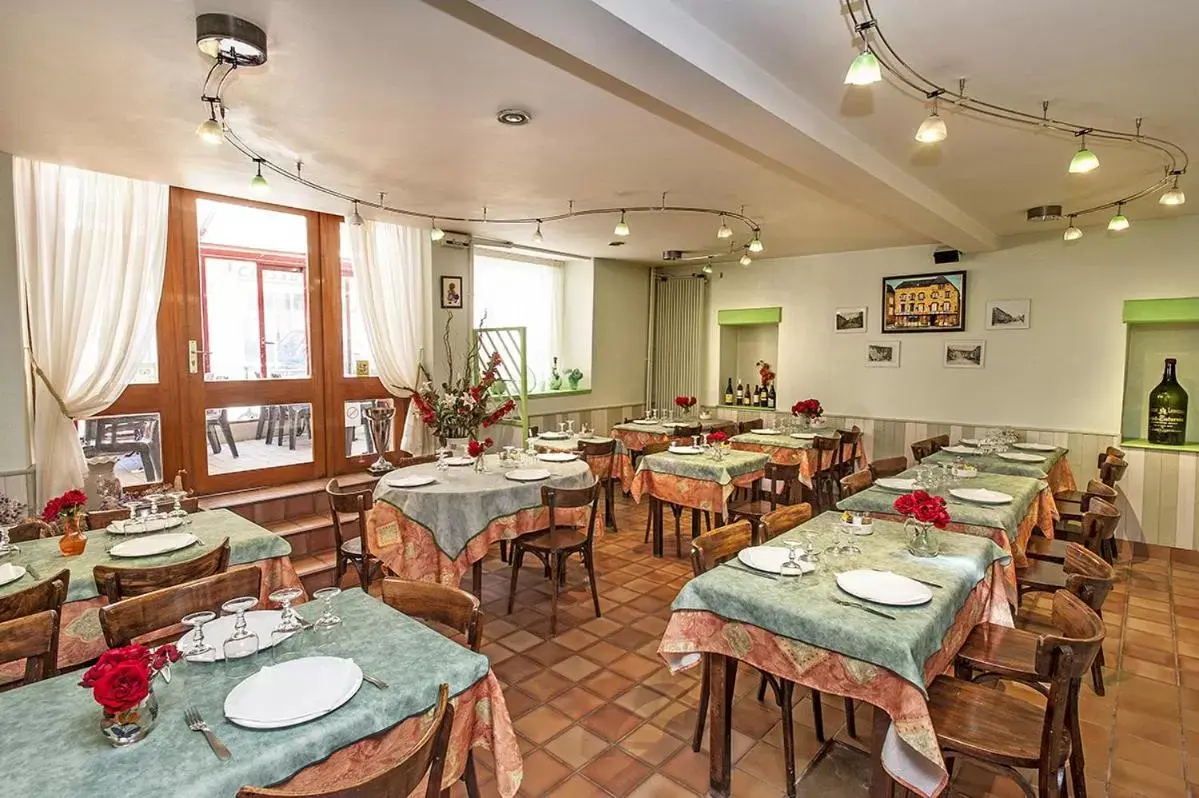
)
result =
(722, 676)
(656, 509)
(881, 784)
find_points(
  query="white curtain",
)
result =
(91, 249)
(391, 267)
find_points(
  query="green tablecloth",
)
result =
(248, 542)
(993, 464)
(568, 444)
(1023, 490)
(782, 440)
(704, 466)
(54, 746)
(706, 425)
(804, 610)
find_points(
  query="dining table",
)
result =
(81, 639)
(632, 437)
(1054, 466)
(698, 481)
(438, 531)
(793, 448)
(810, 631)
(1009, 524)
(602, 467)
(60, 750)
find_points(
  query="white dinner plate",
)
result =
(647, 421)
(413, 481)
(558, 457)
(1034, 447)
(527, 474)
(1021, 457)
(980, 495)
(884, 587)
(293, 692)
(769, 559)
(217, 631)
(804, 436)
(674, 424)
(10, 573)
(895, 484)
(460, 461)
(140, 528)
(960, 450)
(553, 436)
(767, 431)
(153, 544)
(685, 449)
(970, 441)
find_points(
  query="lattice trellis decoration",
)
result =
(512, 381)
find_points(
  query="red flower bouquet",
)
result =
(765, 373)
(685, 402)
(120, 680)
(67, 505)
(923, 508)
(717, 437)
(477, 448)
(810, 408)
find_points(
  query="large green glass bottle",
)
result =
(1168, 409)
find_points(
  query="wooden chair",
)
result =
(449, 606)
(121, 583)
(556, 543)
(856, 482)
(749, 426)
(598, 452)
(1096, 532)
(405, 459)
(1070, 512)
(347, 507)
(825, 480)
(1004, 732)
(33, 638)
(888, 467)
(101, 519)
(928, 447)
(687, 432)
(658, 448)
(47, 595)
(1111, 471)
(31, 529)
(160, 610)
(428, 757)
(756, 507)
(784, 518)
(851, 445)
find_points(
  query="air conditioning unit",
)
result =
(455, 240)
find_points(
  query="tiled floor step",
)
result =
(242, 498)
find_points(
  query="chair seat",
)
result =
(1040, 548)
(986, 722)
(1041, 575)
(554, 540)
(749, 509)
(1035, 625)
(352, 548)
(1001, 650)
(1069, 497)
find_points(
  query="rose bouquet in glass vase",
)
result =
(66, 511)
(685, 403)
(477, 450)
(122, 682)
(921, 513)
(717, 441)
(809, 410)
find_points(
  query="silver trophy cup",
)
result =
(380, 417)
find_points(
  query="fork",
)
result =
(191, 717)
(863, 608)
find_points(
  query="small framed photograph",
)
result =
(965, 354)
(451, 292)
(850, 320)
(1008, 314)
(882, 354)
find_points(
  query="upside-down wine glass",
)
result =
(198, 648)
(242, 644)
(7, 547)
(289, 621)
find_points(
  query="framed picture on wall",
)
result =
(965, 354)
(934, 302)
(850, 320)
(1008, 314)
(882, 354)
(451, 292)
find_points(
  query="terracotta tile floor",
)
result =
(598, 714)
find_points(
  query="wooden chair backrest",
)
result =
(939, 442)
(856, 482)
(1110, 451)
(571, 498)
(444, 604)
(1112, 471)
(33, 638)
(121, 583)
(830, 445)
(1099, 522)
(719, 545)
(788, 475)
(1088, 575)
(749, 426)
(687, 432)
(850, 439)
(1097, 490)
(153, 612)
(31, 529)
(99, 519)
(428, 757)
(928, 447)
(656, 447)
(47, 595)
(356, 501)
(888, 467)
(410, 460)
(784, 518)
(597, 448)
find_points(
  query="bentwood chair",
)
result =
(426, 759)
(161, 610)
(687, 432)
(1095, 532)
(928, 447)
(825, 480)
(603, 456)
(851, 448)
(1003, 731)
(33, 638)
(451, 607)
(350, 507)
(888, 467)
(47, 595)
(657, 448)
(856, 482)
(117, 584)
(749, 426)
(781, 480)
(38, 600)
(557, 542)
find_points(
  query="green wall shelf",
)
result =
(740, 317)
(1141, 443)
(1179, 310)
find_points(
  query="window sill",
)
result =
(1142, 443)
(552, 394)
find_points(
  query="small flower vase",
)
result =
(921, 541)
(718, 451)
(481, 464)
(805, 423)
(132, 725)
(73, 540)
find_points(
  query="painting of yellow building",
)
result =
(925, 302)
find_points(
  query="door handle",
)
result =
(193, 356)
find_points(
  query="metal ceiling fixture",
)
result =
(514, 117)
(231, 39)
(1044, 213)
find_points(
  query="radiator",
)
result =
(676, 366)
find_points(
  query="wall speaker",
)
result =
(946, 255)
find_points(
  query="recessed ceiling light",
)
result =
(231, 39)
(514, 117)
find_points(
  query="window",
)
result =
(511, 292)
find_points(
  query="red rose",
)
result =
(162, 655)
(122, 686)
(717, 437)
(905, 504)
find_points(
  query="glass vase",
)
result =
(481, 464)
(921, 541)
(73, 540)
(132, 725)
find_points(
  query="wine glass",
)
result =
(132, 524)
(326, 625)
(562, 427)
(791, 568)
(198, 648)
(177, 511)
(242, 645)
(289, 621)
(570, 427)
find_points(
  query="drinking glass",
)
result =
(199, 648)
(289, 622)
(442, 465)
(154, 499)
(848, 544)
(242, 645)
(562, 426)
(508, 457)
(177, 511)
(585, 429)
(325, 627)
(791, 567)
(570, 427)
(132, 524)
(695, 441)
(653, 414)
(7, 547)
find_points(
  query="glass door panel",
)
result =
(285, 323)
(232, 327)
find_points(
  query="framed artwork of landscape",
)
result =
(934, 302)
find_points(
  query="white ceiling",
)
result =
(378, 95)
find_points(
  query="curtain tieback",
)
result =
(62, 406)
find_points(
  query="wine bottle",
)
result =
(771, 399)
(760, 395)
(753, 397)
(740, 392)
(1168, 409)
(728, 392)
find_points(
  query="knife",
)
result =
(864, 608)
